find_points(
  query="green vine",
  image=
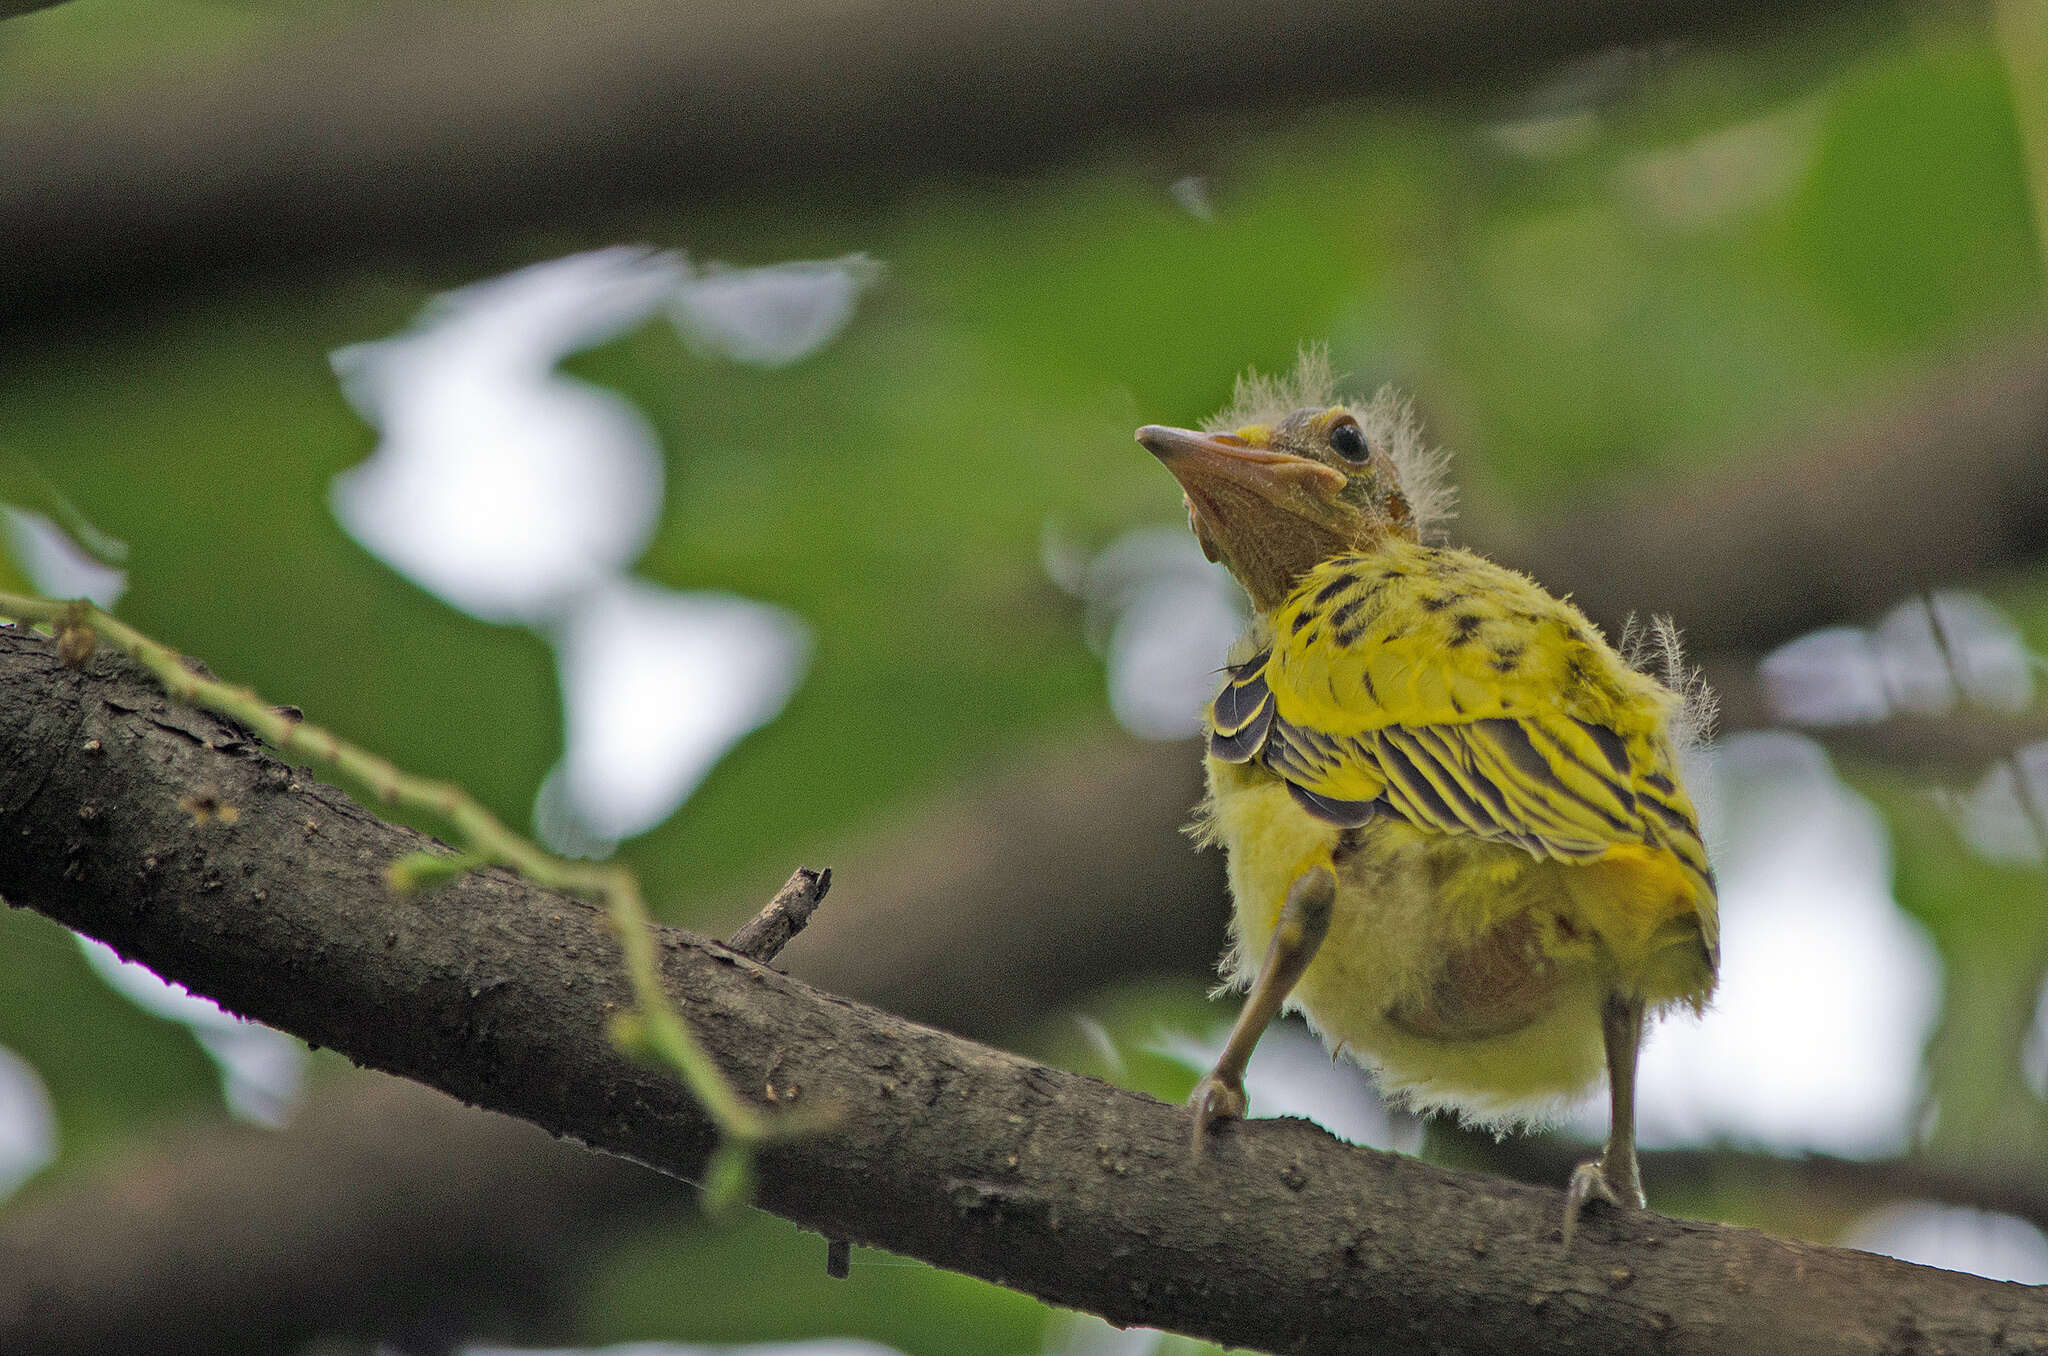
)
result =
(654, 1028)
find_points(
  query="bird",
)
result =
(1458, 838)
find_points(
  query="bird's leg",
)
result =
(1613, 1177)
(1304, 920)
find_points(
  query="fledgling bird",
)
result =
(1457, 837)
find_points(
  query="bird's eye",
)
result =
(1349, 441)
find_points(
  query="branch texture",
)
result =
(937, 918)
(1283, 1239)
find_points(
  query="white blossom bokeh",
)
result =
(524, 497)
(53, 562)
(28, 1123)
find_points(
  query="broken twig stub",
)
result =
(764, 936)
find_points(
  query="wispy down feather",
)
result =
(1654, 648)
(1388, 420)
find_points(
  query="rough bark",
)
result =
(441, 127)
(938, 918)
(501, 994)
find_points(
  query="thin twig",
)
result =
(762, 937)
(2023, 787)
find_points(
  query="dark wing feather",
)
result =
(1242, 713)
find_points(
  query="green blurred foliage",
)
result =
(78, 51)
(1914, 223)
(110, 1067)
(764, 1279)
(1990, 922)
(1670, 272)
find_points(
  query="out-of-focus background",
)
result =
(707, 435)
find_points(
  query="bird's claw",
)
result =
(1214, 1099)
(1590, 1182)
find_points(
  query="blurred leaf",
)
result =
(214, 467)
(903, 529)
(763, 1279)
(113, 1070)
(1990, 921)
(24, 486)
(12, 577)
(1916, 222)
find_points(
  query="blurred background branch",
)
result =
(387, 1209)
(1938, 483)
(433, 129)
(1797, 1185)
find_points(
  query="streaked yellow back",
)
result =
(1419, 635)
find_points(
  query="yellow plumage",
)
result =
(1458, 840)
(1526, 848)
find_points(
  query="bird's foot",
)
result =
(1590, 1181)
(1214, 1099)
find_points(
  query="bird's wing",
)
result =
(1377, 698)
(1513, 780)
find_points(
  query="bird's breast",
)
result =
(1442, 937)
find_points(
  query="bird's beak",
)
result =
(1268, 515)
(1206, 463)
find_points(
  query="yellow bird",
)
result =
(1457, 837)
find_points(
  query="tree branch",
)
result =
(934, 914)
(1949, 748)
(762, 937)
(501, 994)
(442, 127)
(931, 917)
(956, 916)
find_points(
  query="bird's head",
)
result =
(1276, 487)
